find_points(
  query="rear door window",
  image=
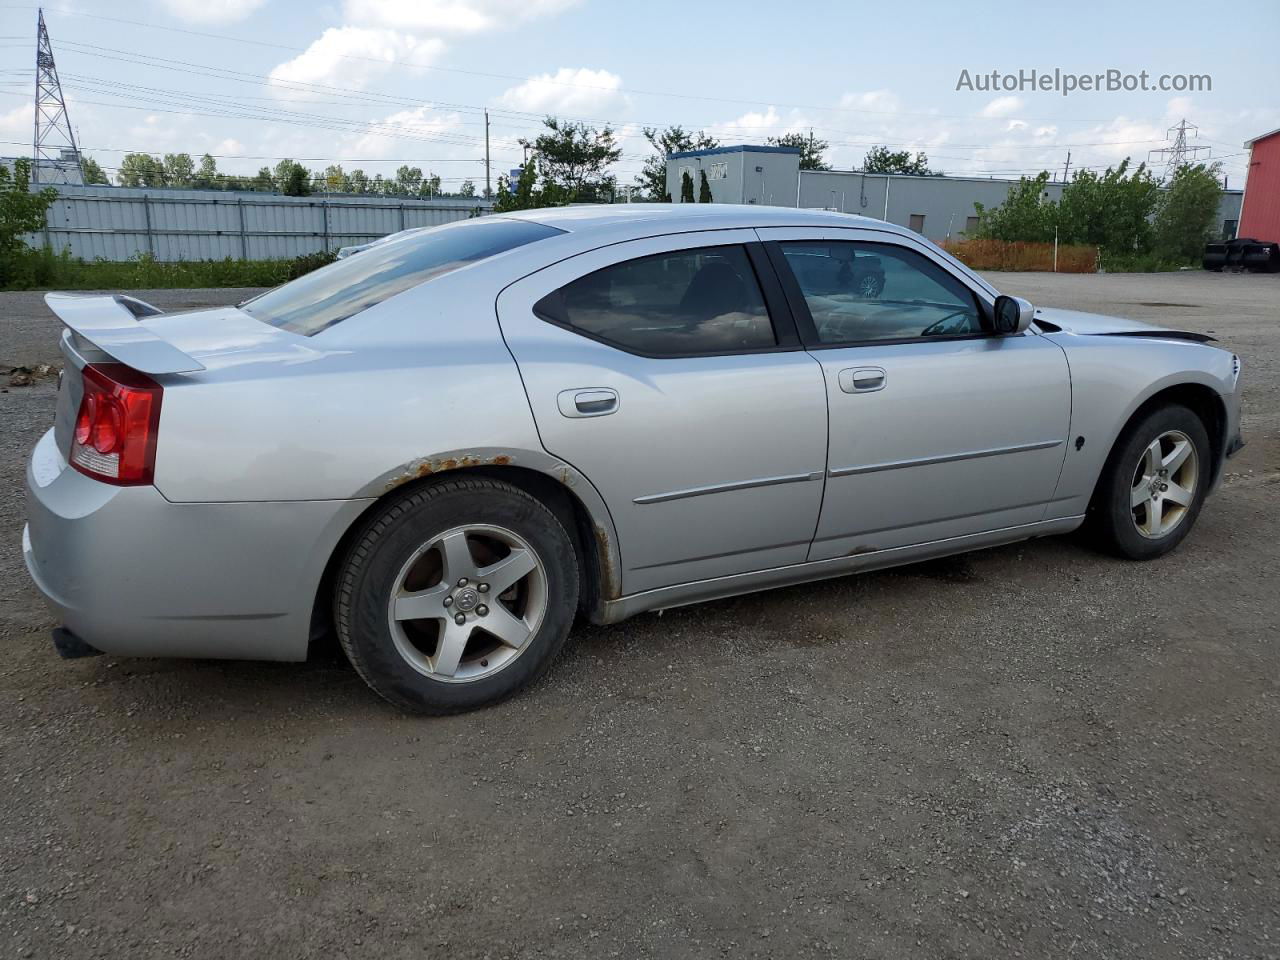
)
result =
(340, 290)
(700, 301)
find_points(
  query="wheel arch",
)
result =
(568, 494)
(1203, 400)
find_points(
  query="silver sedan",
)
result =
(448, 447)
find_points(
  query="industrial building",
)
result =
(65, 169)
(940, 207)
(1260, 217)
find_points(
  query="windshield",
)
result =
(333, 293)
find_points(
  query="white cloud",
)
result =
(16, 124)
(211, 11)
(391, 135)
(376, 34)
(872, 101)
(1002, 107)
(569, 90)
(352, 57)
(449, 16)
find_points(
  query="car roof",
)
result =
(658, 218)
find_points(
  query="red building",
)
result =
(1260, 213)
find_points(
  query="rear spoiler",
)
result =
(111, 324)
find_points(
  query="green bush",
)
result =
(44, 269)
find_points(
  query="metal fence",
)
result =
(120, 223)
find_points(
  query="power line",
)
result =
(552, 81)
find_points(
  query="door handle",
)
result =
(589, 402)
(862, 379)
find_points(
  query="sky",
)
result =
(376, 83)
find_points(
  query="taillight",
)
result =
(116, 426)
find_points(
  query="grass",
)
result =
(45, 270)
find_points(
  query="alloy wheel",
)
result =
(1164, 484)
(468, 602)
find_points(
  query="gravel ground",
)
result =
(1032, 751)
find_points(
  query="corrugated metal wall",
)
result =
(1260, 218)
(119, 223)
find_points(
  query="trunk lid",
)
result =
(171, 348)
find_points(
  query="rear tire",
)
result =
(456, 595)
(1153, 485)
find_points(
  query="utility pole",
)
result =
(488, 185)
(1066, 167)
(53, 134)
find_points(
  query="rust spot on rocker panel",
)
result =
(430, 466)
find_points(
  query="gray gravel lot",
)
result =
(1034, 751)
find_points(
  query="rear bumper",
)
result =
(133, 574)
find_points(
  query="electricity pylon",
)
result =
(53, 134)
(1180, 154)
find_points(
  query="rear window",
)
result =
(320, 299)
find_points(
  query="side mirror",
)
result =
(1013, 315)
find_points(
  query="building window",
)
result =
(718, 171)
(1229, 228)
(970, 225)
(916, 222)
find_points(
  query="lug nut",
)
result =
(448, 601)
(483, 588)
(482, 610)
(462, 581)
(460, 619)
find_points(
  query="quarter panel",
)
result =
(346, 415)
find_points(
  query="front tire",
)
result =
(456, 595)
(1153, 485)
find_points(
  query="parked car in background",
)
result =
(449, 446)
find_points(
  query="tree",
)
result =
(335, 180)
(686, 188)
(263, 180)
(206, 175)
(518, 195)
(674, 139)
(179, 169)
(293, 178)
(21, 212)
(468, 189)
(1187, 212)
(576, 157)
(531, 189)
(140, 170)
(1025, 215)
(812, 151)
(704, 188)
(407, 180)
(93, 173)
(430, 186)
(359, 181)
(884, 160)
(1112, 210)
